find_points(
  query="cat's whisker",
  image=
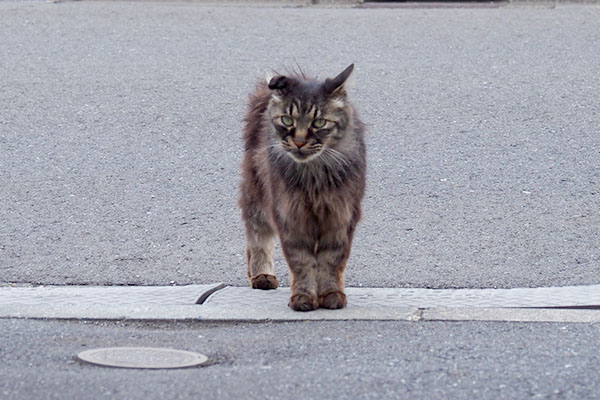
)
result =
(338, 156)
(335, 160)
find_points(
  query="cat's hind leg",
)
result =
(260, 238)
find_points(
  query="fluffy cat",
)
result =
(303, 178)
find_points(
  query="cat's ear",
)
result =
(268, 76)
(279, 82)
(336, 85)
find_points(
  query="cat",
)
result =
(303, 179)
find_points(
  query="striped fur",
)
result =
(303, 184)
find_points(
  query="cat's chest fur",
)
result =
(311, 196)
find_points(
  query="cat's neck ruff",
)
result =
(329, 169)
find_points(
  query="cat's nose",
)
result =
(299, 142)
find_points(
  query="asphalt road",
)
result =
(120, 140)
(120, 128)
(317, 360)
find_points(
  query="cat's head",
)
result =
(309, 116)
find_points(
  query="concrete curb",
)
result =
(543, 297)
(282, 314)
(512, 315)
(226, 303)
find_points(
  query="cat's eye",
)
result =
(287, 121)
(319, 123)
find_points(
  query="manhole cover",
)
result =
(142, 357)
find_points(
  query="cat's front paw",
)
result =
(264, 281)
(303, 302)
(333, 300)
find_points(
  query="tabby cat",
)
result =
(303, 178)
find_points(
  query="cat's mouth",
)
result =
(303, 156)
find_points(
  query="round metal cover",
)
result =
(142, 357)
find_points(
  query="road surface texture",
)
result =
(120, 139)
(328, 360)
(120, 146)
